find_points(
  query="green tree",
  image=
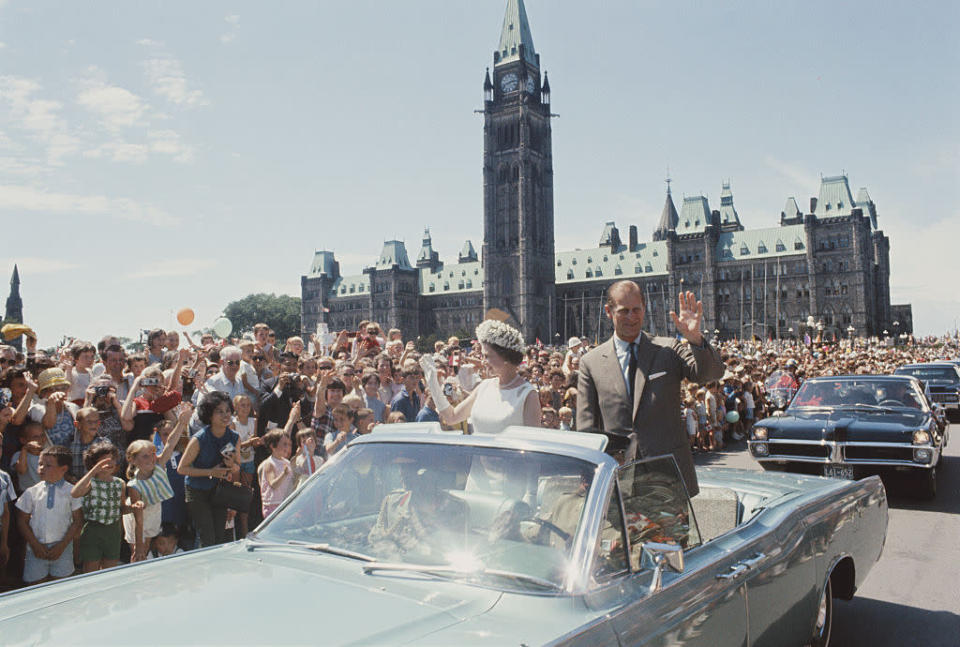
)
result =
(282, 313)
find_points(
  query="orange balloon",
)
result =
(185, 317)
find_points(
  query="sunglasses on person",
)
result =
(258, 358)
(7, 360)
(232, 362)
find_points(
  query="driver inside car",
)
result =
(422, 519)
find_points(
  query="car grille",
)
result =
(854, 452)
(791, 449)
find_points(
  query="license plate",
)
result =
(838, 471)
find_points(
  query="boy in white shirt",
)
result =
(49, 519)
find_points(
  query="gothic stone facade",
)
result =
(828, 265)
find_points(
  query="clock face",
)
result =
(531, 85)
(509, 82)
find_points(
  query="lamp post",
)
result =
(896, 331)
(716, 334)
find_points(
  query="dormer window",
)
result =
(828, 207)
(839, 205)
(781, 247)
(469, 284)
(573, 262)
(589, 273)
(744, 250)
(637, 268)
(559, 262)
(617, 270)
(599, 272)
(433, 288)
(589, 259)
(569, 274)
(761, 249)
(648, 268)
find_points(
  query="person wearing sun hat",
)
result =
(54, 411)
(575, 349)
(497, 402)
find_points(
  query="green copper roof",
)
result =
(694, 215)
(347, 286)
(394, 253)
(835, 198)
(450, 279)
(601, 264)
(786, 240)
(516, 32)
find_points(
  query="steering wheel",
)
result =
(890, 402)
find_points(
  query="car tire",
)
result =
(823, 622)
(927, 486)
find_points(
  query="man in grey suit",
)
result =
(631, 382)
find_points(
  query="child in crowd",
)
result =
(150, 484)
(566, 418)
(395, 417)
(704, 428)
(245, 424)
(365, 420)
(165, 543)
(344, 431)
(691, 420)
(307, 461)
(7, 494)
(54, 411)
(49, 519)
(104, 500)
(277, 479)
(83, 354)
(26, 462)
(88, 424)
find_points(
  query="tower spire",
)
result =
(516, 41)
(14, 310)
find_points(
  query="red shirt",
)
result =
(164, 403)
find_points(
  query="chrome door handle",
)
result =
(735, 572)
(753, 561)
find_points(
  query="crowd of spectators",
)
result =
(132, 455)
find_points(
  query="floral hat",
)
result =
(500, 334)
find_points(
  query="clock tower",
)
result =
(518, 246)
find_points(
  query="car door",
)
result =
(703, 605)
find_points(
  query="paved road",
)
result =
(912, 595)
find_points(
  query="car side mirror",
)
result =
(664, 556)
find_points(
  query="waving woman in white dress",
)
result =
(497, 402)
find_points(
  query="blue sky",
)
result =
(160, 155)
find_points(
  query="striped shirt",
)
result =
(153, 489)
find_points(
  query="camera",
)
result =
(448, 389)
(101, 391)
(5, 396)
(228, 450)
(150, 381)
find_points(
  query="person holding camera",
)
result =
(210, 455)
(146, 410)
(289, 389)
(102, 396)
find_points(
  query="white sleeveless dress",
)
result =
(495, 408)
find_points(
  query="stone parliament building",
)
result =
(823, 269)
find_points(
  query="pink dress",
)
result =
(273, 497)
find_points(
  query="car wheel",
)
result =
(927, 488)
(823, 624)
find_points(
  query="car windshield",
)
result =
(858, 393)
(927, 373)
(470, 508)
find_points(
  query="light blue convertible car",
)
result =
(416, 536)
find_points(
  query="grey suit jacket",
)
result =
(602, 397)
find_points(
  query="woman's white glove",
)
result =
(430, 377)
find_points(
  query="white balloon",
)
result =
(222, 327)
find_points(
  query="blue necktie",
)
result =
(52, 493)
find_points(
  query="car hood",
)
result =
(846, 425)
(228, 595)
(942, 384)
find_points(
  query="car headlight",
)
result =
(760, 449)
(759, 433)
(920, 437)
(922, 455)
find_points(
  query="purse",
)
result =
(233, 496)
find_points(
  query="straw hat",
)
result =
(52, 377)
